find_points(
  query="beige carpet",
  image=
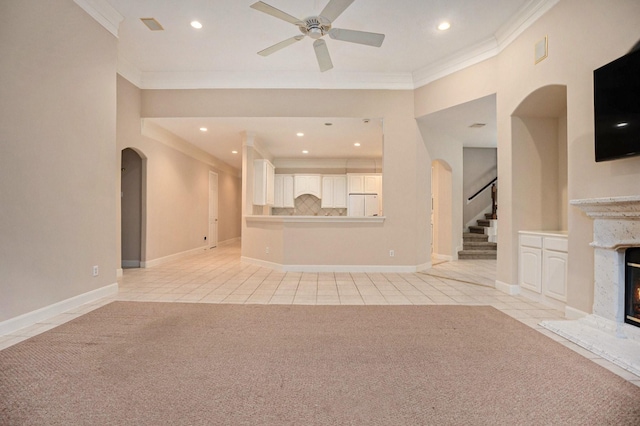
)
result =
(200, 364)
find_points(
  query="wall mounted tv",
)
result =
(617, 108)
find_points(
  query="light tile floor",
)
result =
(218, 276)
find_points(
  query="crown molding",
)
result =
(488, 48)
(129, 71)
(103, 12)
(275, 80)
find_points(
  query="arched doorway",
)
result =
(132, 214)
(441, 210)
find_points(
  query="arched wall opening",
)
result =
(133, 167)
(539, 141)
(441, 210)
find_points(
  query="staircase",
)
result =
(476, 243)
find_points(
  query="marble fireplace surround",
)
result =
(616, 227)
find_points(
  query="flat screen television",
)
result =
(617, 108)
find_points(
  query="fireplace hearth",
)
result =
(632, 290)
(612, 329)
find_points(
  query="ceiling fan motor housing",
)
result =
(315, 27)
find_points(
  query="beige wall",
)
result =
(176, 184)
(577, 45)
(406, 180)
(57, 154)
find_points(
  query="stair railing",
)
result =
(494, 197)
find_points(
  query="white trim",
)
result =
(336, 268)
(284, 80)
(130, 263)
(119, 273)
(445, 257)
(511, 289)
(525, 17)
(314, 219)
(171, 257)
(25, 320)
(229, 241)
(129, 71)
(103, 13)
(573, 313)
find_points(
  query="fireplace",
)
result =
(632, 290)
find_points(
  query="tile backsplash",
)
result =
(308, 205)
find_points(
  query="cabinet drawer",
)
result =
(531, 241)
(556, 244)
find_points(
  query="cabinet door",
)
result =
(372, 184)
(270, 179)
(328, 184)
(530, 268)
(287, 192)
(339, 192)
(555, 274)
(356, 184)
(278, 200)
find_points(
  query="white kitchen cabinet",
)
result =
(307, 184)
(334, 192)
(542, 266)
(283, 192)
(365, 183)
(263, 183)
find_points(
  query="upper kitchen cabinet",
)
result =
(334, 192)
(370, 183)
(307, 184)
(283, 193)
(263, 183)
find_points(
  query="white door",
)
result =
(213, 209)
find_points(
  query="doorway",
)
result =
(213, 210)
(131, 208)
(442, 210)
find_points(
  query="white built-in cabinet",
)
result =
(334, 192)
(365, 183)
(283, 192)
(542, 263)
(307, 184)
(263, 183)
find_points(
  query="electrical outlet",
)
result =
(392, 253)
(266, 250)
(95, 271)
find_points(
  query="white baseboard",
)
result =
(445, 257)
(574, 314)
(511, 289)
(175, 256)
(336, 268)
(229, 241)
(130, 263)
(119, 273)
(25, 320)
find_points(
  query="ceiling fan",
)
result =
(317, 27)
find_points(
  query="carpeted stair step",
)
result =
(471, 236)
(479, 245)
(477, 254)
(476, 229)
(484, 223)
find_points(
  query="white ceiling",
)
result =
(223, 54)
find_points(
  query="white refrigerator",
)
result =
(363, 205)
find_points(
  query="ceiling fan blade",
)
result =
(270, 10)
(273, 49)
(335, 8)
(360, 37)
(322, 54)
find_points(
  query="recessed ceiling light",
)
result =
(305, 152)
(622, 124)
(300, 134)
(328, 124)
(195, 24)
(477, 125)
(443, 26)
(356, 144)
(234, 152)
(203, 129)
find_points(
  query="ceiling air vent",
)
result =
(477, 125)
(152, 24)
